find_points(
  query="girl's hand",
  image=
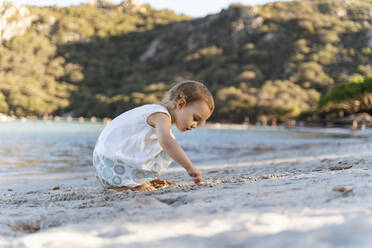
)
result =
(162, 124)
(196, 175)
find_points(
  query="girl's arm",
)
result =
(162, 124)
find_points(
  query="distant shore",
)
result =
(354, 122)
(93, 119)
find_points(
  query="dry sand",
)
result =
(317, 196)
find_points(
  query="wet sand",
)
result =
(311, 196)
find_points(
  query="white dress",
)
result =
(127, 152)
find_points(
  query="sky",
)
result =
(194, 8)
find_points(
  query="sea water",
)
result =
(47, 147)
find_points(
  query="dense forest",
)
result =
(272, 62)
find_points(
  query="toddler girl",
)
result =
(138, 145)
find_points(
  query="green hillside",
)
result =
(265, 62)
(347, 98)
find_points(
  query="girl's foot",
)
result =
(145, 186)
(161, 183)
(149, 186)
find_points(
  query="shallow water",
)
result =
(39, 147)
(206, 146)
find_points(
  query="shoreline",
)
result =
(5, 118)
(209, 125)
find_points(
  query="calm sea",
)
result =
(48, 148)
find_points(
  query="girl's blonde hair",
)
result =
(191, 91)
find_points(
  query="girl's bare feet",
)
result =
(152, 185)
(160, 183)
(145, 186)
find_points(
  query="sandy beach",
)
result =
(271, 100)
(311, 196)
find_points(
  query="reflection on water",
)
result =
(39, 147)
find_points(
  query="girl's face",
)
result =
(188, 116)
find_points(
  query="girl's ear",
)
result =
(181, 103)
